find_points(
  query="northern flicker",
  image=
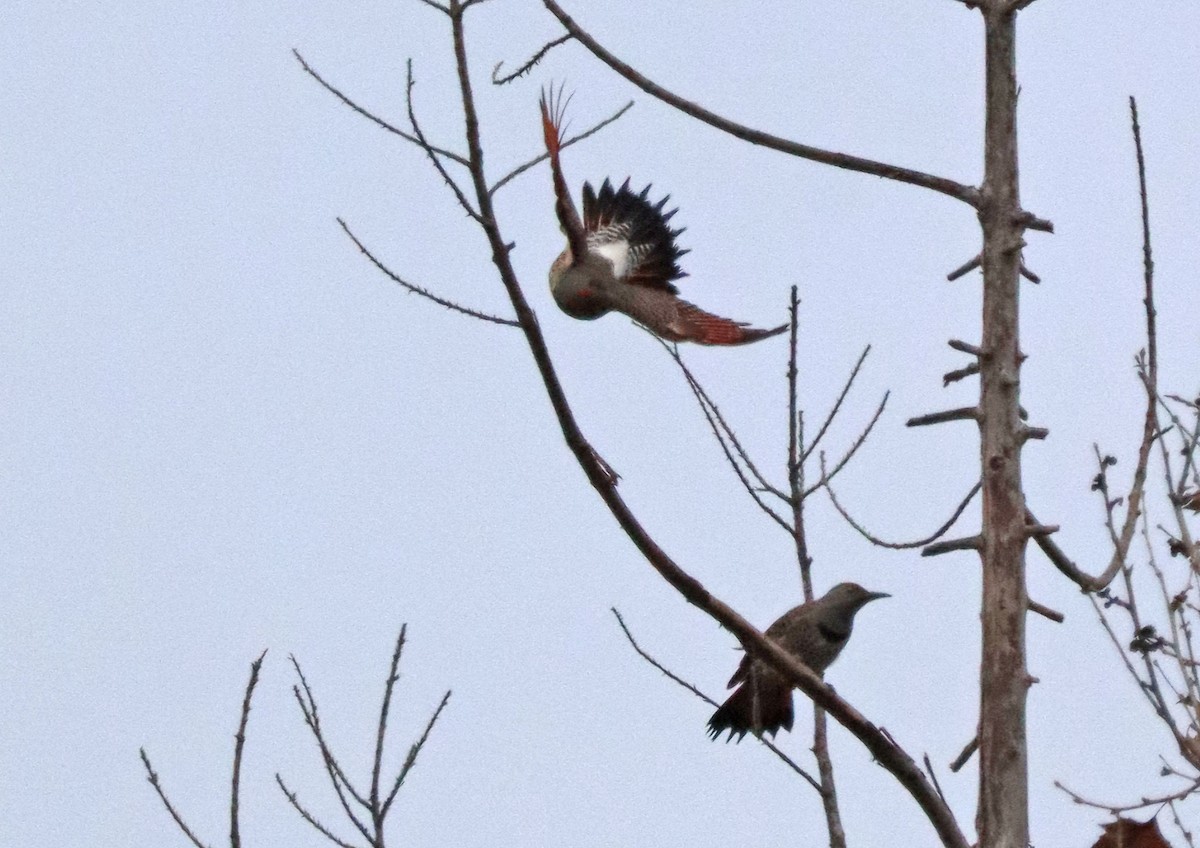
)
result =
(622, 256)
(815, 633)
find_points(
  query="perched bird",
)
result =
(621, 255)
(815, 633)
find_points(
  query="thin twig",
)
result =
(933, 777)
(706, 400)
(965, 268)
(308, 816)
(902, 546)
(152, 776)
(235, 838)
(1150, 425)
(837, 405)
(423, 292)
(796, 455)
(424, 144)
(728, 441)
(333, 769)
(1117, 809)
(393, 675)
(308, 69)
(1045, 612)
(431, 4)
(528, 66)
(851, 451)
(411, 759)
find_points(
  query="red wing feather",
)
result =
(552, 107)
(696, 325)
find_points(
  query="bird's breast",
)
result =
(579, 293)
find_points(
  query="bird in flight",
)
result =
(815, 633)
(622, 255)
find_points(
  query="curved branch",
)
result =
(901, 546)
(880, 744)
(1116, 809)
(1148, 373)
(528, 66)
(959, 191)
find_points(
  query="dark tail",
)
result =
(764, 708)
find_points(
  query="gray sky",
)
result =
(224, 431)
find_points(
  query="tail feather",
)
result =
(693, 324)
(762, 708)
(553, 108)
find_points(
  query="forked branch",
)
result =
(235, 839)
(1148, 376)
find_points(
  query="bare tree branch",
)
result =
(308, 69)
(719, 425)
(423, 292)
(901, 546)
(152, 777)
(796, 455)
(381, 733)
(959, 191)
(851, 451)
(333, 769)
(528, 66)
(1148, 374)
(235, 838)
(411, 759)
(1117, 809)
(459, 195)
(837, 405)
(309, 817)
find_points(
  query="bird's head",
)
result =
(849, 598)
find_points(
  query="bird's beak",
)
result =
(875, 596)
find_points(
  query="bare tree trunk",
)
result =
(1003, 814)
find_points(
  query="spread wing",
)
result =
(633, 234)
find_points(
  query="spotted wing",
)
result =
(633, 234)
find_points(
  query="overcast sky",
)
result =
(223, 431)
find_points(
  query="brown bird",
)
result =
(814, 633)
(621, 256)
